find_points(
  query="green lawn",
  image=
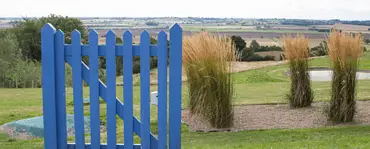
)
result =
(266, 85)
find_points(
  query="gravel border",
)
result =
(256, 117)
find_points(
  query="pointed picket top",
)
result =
(162, 33)
(93, 38)
(93, 33)
(145, 33)
(175, 27)
(48, 28)
(76, 34)
(59, 33)
(127, 33)
(127, 36)
(110, 34)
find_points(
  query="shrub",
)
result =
(344, 51)
(320, 50)
(207, 63)
(10, 53)
(26, 74)
(14, 71)
(296, 51)
(256, 57)
(246, 53)
(269, 58)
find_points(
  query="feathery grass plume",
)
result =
(296, 50)
(344, 51)
(207, 63)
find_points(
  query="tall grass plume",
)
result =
(296, 50)
(207, 63)
(344, 51)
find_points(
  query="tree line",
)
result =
(20, 51)
(248, 53)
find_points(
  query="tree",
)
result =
(28, 32)
(239, 43)
(10, 53)
(254, 45)
(14, 71)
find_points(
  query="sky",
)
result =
(295, 9)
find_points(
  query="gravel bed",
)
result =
(252, 117)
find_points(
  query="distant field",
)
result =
(268, 36)
(347, 27)
(247, 29)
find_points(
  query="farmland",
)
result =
(265, 32)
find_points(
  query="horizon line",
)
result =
(264, 18)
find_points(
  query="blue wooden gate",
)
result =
(54, 55)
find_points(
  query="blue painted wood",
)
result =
(94, 90)
(162, 90)
(104, 146)
(119, 106)
(60, 90)
(175, 86)
(111, 89)
(127, 89)
(102, 50)
(48, 86)
(145, 89)
(77, 90)
(108, 93)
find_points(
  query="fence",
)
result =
(54, 55)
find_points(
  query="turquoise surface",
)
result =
(34, 127)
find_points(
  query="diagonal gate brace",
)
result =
(119, 104)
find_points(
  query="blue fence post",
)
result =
(94, 90)
(111, 89)
(128, 90)
(48, 86)
(175, 86)
(145, 89)
(60, 90)
(77, 90)
(162, 89)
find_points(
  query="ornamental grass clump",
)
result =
(296, 50)
(207, 63)
(344, 50)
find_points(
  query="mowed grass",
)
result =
(259, 86)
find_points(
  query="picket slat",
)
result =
(48, 86)
(127, 89)
(94, 90)
(162, 90)
(175, 86)
(60, 89)
(77, 90)
(145, 89)
(111, 88)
